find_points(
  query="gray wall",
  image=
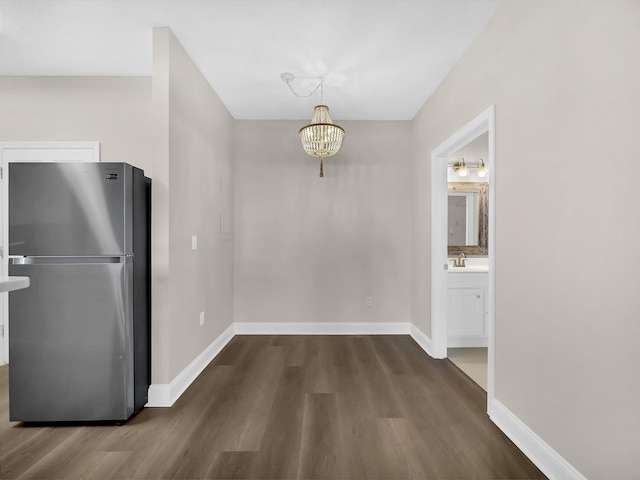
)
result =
(564, 78)
(112, 110)
(192, 156)
(310, 249)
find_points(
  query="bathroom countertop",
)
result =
(469, 269)
(8, 284)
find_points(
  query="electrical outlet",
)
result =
(369, 301)
(201, 318)
(194, 242)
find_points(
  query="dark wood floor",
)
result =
(288, 407)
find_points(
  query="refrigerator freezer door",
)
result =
(69, 209)
(70, 342)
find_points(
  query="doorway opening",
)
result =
(483, 124)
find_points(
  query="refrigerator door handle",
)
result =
(41, 260)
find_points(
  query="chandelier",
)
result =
(321, 138)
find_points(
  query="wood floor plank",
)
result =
(374, 385)
(233, 466)
(321, 365)
(295, 346)
(400, 456)
(242, 426)
(164, 434)
(69, 453)
(320, 448)
(350, 407)
(100, 465)
(21, 456)
(280, 448)
(391, 361)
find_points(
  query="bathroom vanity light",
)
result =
(482, 170)
(461, 168)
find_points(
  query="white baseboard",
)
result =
(539, 452)
(165, 395)
(421, 339)
(322, 328)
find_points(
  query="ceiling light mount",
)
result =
(287, 77)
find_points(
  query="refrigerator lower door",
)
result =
(70, 342)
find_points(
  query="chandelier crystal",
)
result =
(321, 138)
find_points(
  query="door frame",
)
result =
(56, 151)
(483, 123)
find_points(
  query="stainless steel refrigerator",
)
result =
(79, 336)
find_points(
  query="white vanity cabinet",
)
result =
(467, 309)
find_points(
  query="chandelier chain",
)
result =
(319, 86)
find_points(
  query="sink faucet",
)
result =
(460, 262)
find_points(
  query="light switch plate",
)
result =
(194, 242)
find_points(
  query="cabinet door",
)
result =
(465, 311)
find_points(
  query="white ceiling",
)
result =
(380, 59)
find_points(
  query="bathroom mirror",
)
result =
(470, 198)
